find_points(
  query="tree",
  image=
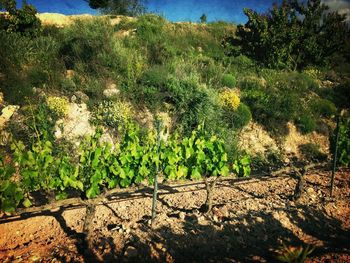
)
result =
(292, 35)
(118, 7)
(22, 20)
(203, 19)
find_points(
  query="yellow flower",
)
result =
(58, 105)
(229, 99)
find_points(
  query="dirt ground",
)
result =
(251, 221)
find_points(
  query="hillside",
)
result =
(96, 110)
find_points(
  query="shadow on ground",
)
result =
(253, 238)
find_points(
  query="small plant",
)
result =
(230, 99)
(241, 166)
(306, 123)
(58, 105)
(323, 108)
(241, 117)
(343, 143)
(10, 193)
(294, 254)
(228, 80)
(113, 113)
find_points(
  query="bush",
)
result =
(242, 64)
(293, 81)
(229, 99)
(251, 83)
(22, 20)
(242, 116)
(228, 80)
(193, 103)
(58, 105)
(114, 114)
(156, 76)
(306, 123)
(86, 44)
(323, 108)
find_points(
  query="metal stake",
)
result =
(155, 191)
(335, 156)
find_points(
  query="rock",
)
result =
(34, 258)
(259, 219)
(311, 191)
(5, 137)
(75, 125)
(70, 73)
(73, 99)
(131, 252)
(107, 138)
(111, 92)
(81, 96)
(6, 114)
(220, 212)
(182, 215)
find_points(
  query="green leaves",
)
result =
(97, 166)
(291, 35)
(241, 167)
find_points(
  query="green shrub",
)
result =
(323, 108)
(251, 83)
(115, 114)
(242, 64)
(228, 80)
(150, 28)
(86, 44)
(210, 71)
(193, 103)
(242, 116)
(22, 20)
(306, 123)
(156, 76)
(312, 152)
(293, 81)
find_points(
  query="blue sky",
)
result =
(183, 10)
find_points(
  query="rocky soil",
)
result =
(251, 220)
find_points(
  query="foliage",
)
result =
(272, 107)
(230, 99)
(10, 193)
(294, 254)
(274, 39)
(22, 20)
(196, 156)
(343, 143)
(241, 117)
(323, 108)
(203, 18)
(118, 7)
(242, 166)
(100, 165)
(306, 123)
(58, 105)
(113, 113)
(228, 80)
